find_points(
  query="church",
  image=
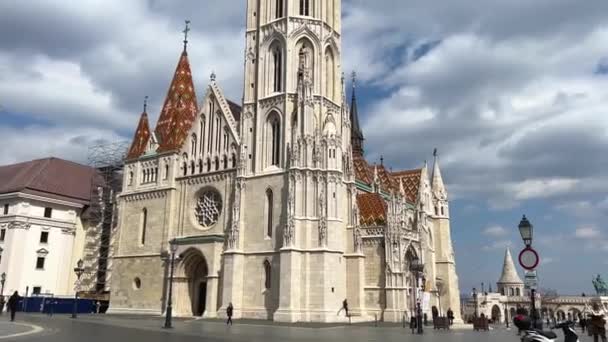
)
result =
(270, 202)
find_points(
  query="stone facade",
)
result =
(272, 205)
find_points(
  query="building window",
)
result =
(273, 139)
(517, 291)
(442, 212)
(40, 263)
(136, 283)
(233, 160)
(267, 272)
(48, 212)
(305, 7)
(166, 171)
(278, 9)
(269, 207)
(144, 224)
(277, 63)
(2, 234)
(44, 237)
(36, 290)
(131, 178)
(6, 209)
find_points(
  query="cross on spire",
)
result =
(185, 31)
(354, 76)
(145, 103)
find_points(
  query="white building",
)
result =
(41, 232)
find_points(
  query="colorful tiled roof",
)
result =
(142, 135)
(411, 182)
(362, 170)
(179, 110)
(372, 209)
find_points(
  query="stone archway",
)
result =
(496, 314)
(191, 283)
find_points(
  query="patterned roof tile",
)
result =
(140, 140)
(372, 209)
(179, 110)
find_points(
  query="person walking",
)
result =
(229, 312)
(597, 321)
(451, 316)
(2, 303)
(12, 304)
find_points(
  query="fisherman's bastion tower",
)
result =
(271, 202)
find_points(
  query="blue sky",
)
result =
(512, 93)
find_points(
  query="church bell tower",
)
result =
(295, 140)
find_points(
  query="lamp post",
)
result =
(78, 270)
(475, 300)
(2, 280)
(526, 230)
(169, 311)
(417, 267)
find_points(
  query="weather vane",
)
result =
(435, 152)
(185, 31)
(145, 103)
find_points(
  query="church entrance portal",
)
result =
(196, 272)
(496, 314)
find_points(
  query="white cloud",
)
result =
(495, 231)
(497, 245)
(587, 232)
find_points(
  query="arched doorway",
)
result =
(496, 314)
(195, 272)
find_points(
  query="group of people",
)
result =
(11, 304)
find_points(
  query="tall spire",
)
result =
(356, 133)
(180, 106)
(509, 273)
(436, 179)
(142, 135)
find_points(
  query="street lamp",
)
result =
(417, 267)
(169, 311)
(475, 300)
(2, 280)
(78, 270)
(526, 229)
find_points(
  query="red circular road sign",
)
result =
(529, 259)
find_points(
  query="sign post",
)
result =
(529, 260)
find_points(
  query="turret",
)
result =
(510, 283)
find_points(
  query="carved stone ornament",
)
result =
(208, 208)
(358, 240)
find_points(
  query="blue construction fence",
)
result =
(59, 305)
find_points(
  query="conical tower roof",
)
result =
(179, 110)
(140, 140)
(509, 272)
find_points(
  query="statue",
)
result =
(600, 286)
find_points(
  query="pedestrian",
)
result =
(49, 305)
(2, 303)
(97, 306)
(597, 321)
(583, 323)
(229, 311)
(451, 316)
(12, 304)
(345, 306)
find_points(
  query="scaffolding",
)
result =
(101, 216)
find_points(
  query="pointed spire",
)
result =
(142, 135)
(509, 272)
(185, 31)
(356, 133)
(436, 179)
(179, 109)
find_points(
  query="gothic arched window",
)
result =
(225, 162)
(277, 68)
(278, 6)
(517, 291)
(193, 145)
(305, 8)
(330, 74)
(273, 139)
(217, 163)
(233, 160)
(144, 224)
(267, 273)
(269, 213)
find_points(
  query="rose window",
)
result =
(208, 208)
